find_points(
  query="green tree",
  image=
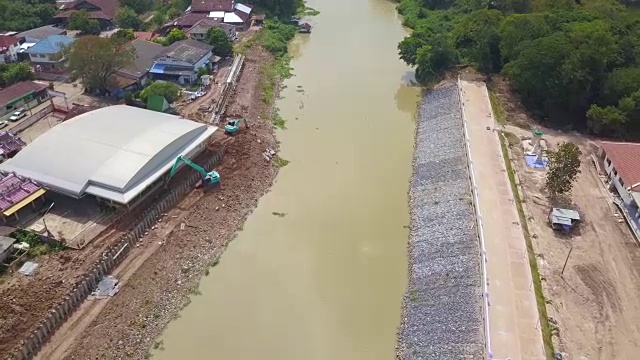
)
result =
(221, 44)
(518, 31)
(478, 40)
(621, 83)
(123, 35)
(95, 60)
(432, 60)
(139, 6)
(13, 73)
(174, 35)
(79, 20)
(606, 121)
(168, 90)
(564, 167)
(20, 15)
(127, 18)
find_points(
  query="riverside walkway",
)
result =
(513, 315)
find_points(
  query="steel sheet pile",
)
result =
(442, 315)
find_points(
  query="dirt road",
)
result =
(157, 280)
(513, 316)
(595, 302)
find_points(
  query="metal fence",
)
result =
(31, 120)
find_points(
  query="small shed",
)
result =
(563, 219)
(5, 247)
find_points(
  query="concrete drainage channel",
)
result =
(442, 312)
(111, 258)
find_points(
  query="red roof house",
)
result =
(207, 6)
(102, 10)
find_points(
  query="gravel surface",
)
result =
(442, 311)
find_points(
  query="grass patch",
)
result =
(498, 110)
(280, 162)
(158, 345)
(279, 122)
(533, 264)
(512, 139)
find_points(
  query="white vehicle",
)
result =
(18, 114)
(3, 124)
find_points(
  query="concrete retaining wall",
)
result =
(112, 257)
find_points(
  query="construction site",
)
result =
(173, 209)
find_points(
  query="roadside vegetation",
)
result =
(15, 72)
(575, 64)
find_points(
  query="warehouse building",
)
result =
(117, 153)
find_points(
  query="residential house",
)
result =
(143, 35)
(622, 165)
(47, 55)
(240, 17)
(200, 29)
(135, 75)
(9, 47)
(104, 11)
(226, 11)
(207, 6)
(40, 33)
(10, 145)
(183, 23)
(180, 61)
(17, 95)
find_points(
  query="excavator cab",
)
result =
(233, 126)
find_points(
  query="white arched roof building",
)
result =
(113, 152)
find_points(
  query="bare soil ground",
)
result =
(27, 300)
(595, 303)
(201, 108)
(159, 276)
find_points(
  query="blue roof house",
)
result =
(46, 55)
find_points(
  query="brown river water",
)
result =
(325, 281)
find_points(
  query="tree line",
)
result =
(574, 63)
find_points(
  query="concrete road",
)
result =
(513, 315)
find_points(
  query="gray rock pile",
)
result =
(442, 312)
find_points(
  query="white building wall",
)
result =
(614, 178)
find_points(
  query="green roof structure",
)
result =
(157, 103)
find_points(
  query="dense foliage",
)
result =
(14, 72)
(275, 36)
(95, 60)
(574, 64)
(282, 9)
(79, 20)
(127, 18)
(168, 90)
(173, 36)
(221, 44)
(21, 15)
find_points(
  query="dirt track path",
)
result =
(58, 346)
(596, 301)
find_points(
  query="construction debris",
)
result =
(28, 268)
(107, 287)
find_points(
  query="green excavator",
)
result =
(233, 126)
(208, 178)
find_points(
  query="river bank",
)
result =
(442, 314)
(161, 275)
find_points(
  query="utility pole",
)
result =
(566, 260)
(45, 223)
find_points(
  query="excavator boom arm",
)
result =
(180, 159)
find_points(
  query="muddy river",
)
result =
(324, 281)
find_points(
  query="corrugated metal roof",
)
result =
(567, 213)
(113, 152)
(625, 158)
(232, 18)
(51, 44)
